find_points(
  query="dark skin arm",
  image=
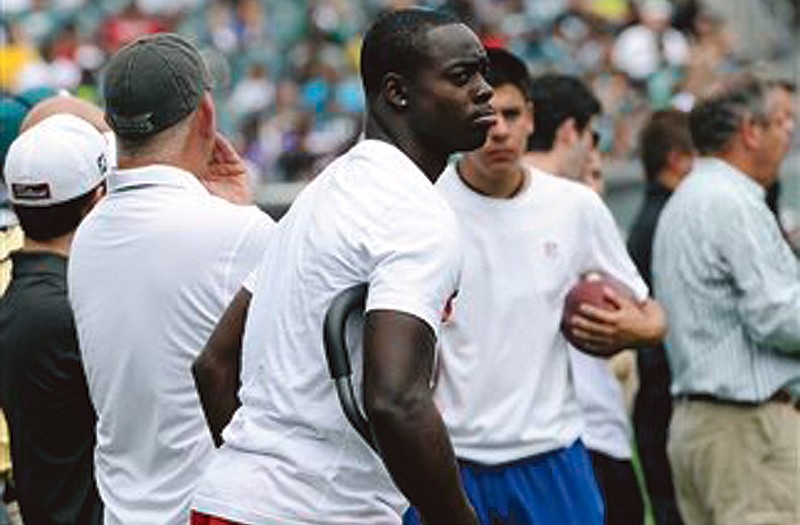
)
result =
(216, 369)
(406, 426)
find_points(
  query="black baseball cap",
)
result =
(152, 83)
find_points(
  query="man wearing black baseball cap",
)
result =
(152, 84)
(152, 269)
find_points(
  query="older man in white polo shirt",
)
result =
(152, 269)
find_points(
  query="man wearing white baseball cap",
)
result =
(55, 173)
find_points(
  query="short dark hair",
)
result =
(557, 97)
(665, 131)
(507, 68)
(397, 42)
(715, 119)
(50, 222)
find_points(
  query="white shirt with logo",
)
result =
(152, 268)
(505, 385)
(290, 455)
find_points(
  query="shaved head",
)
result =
(69, 105)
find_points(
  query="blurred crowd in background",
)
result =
(286, 79)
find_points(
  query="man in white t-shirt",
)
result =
(289, 455)
(504, 383)
(562, 144)
(152, 269)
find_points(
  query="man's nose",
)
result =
(500, 128)
(483, 91)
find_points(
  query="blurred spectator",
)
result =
(254, 93)
(14, 7)
(16, 52)
(666, 152)
(40, 20)
(652, 44)
(313, 45)
(731, 289)
(52, 70)
(710, 56)
(616, 12)
(126, 26)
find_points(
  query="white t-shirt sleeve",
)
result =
(250, 249)
(608, 252)
(251, 281)
(417, 267)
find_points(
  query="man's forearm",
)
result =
(654, 328)
(415, 447)
(216, 369)
(399, 352)
(217, 386)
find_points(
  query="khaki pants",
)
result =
(10, 240)
(735, 465)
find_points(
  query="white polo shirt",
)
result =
(152, 268)
(505, 384)
(290, 456)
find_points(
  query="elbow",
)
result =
(390, 408)
(201, 370)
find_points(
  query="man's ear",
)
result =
(674, 159)
(529, 116)
(206, 118)
(96, 195)
(567, 133)
(395, 91)
(679, 161)
(750, 133)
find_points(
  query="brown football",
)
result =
(589, 289)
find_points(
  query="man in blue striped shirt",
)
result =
(731, 288)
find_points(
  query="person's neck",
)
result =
(546, 161)
(431, 163)
(745, 163)
(185, 155)
(59, 246)
(129, 163)
(505, 187)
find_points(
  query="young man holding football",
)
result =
(504, 384)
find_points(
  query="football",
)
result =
(589, 290)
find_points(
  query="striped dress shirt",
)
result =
(730, 286)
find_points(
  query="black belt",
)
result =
(781, 396)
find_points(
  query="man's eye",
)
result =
(460, 77)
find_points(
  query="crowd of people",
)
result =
(286, 72)
(162, 357)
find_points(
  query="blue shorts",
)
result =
(555, 488)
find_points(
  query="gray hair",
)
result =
(717, 118)
(163, 143)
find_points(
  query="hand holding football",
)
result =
(590, 290)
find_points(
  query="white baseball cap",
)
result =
(60, 158)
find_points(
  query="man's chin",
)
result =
(474, 141)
